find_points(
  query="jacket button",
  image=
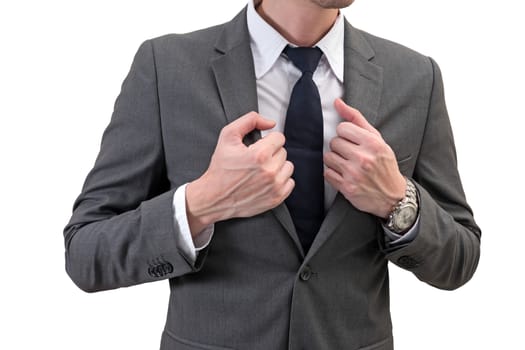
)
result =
(306, 274)
(167, 268)
(152, 271)
(407, 262)
(160, 269)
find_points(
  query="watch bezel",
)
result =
(402, 223)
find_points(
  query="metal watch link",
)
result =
(404, 214)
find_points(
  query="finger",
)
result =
(276, 164)
(273, 141)
(247, 123)
(288, 188)
(333, 178)
(279, 158)
(285, 172)
(344, 148)
(352, 133)
(353, 116)
(334, 161)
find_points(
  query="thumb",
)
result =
(353, 116)
(247, 123)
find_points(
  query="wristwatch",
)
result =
(405, 212)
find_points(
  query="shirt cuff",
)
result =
(394, 239)
(189, 245)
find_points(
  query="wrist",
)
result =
(199, 209)
(405, 213)
(394, 198)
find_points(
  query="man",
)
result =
(275, 227)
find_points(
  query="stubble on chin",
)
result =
(333, 4)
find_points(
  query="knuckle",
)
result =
(269, 175)
(280, 137)
(376, 144)
(327, 157)
(260, 156)
(333, 143)
(366, 163)
(340, 128)
(290, 185)
(350, 189)
(248, 116)
(330, 158)
(285, 153)
(291, 167)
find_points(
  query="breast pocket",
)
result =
(385, 344)
(171, 341)
(406, 165)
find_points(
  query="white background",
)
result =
(61, 66)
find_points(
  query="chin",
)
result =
(333, 4)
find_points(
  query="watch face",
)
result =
(405, 218)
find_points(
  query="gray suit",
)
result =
(253, 287)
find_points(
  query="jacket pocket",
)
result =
(172, 342)
(404, 164)
(386, 344)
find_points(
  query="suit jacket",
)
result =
(253, 287)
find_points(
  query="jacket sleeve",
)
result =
(446, 251)
(122, 231)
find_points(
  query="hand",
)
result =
(240, 181)
(362, 166)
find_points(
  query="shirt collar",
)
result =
(267, 44)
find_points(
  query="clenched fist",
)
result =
(241, 181)
(362, 166)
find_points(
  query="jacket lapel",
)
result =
(363, 79)
(363, 82)
(235, 78)
(233, 69)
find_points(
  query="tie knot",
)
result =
(304, 58)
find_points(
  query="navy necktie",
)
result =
(304, 143)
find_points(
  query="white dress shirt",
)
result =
(275, 78)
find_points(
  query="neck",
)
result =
(301, 22)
